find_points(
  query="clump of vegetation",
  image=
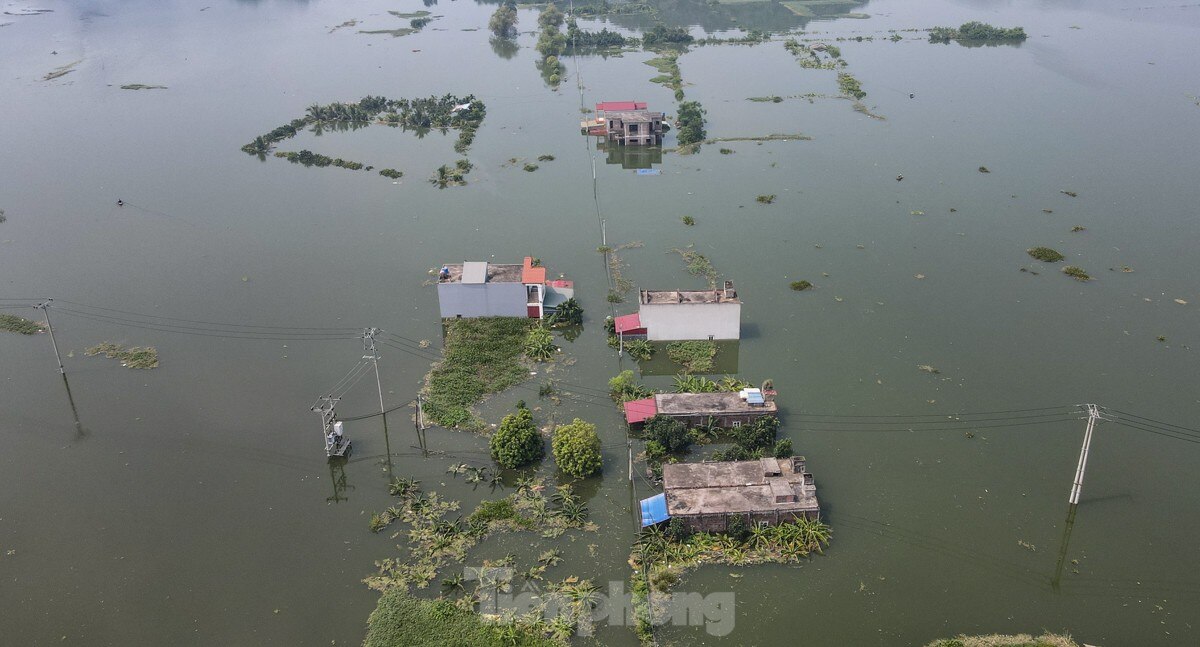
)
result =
(545, 158)
(539, 344)
(503, 22)
(481, 356)
(142, 86)
(517, 442)
(1045, 254)
(309, 158)
(577, 448)
(727, 151)
(579, 40)
(688, 220)
(774, 98)
(20, 325)
(1070, 194)
(400, 618)
(984, 169)
(693, 356)
(850, 86)
(691, 123)
(135, 357)
(1077, 228)
(625, 387)
(663, 35)
(2, 216)
(530, 168)
(699, 265)
(639, 349)
(568, 313)
(976, 32)
(1076, 273)
(455, 175)
(800, 286)
(752, 441)
(391, 173)
(996, 640)
(765, 199)
(685, 383)
(810, 57)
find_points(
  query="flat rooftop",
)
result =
(495, 273)
(656, 297)
(737, 487)
(633, 115)
(682, 404)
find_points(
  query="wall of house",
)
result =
(481, 300)
(724, 420)
(719, 522)
(680, 321)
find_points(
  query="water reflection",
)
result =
(713, 17)
(505, 48)
(337, 476)
(631, 157)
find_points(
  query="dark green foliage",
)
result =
(850, 86)
(545, 158)
(677, 530)
(639, 349)
(1076, 273)
(577, 448)
(759, 434)
(668, 432)
(655, 452)
(737, 528)
(975, 31)
(568, 313)
(503, 22)
(418, 23)
(551, 17)
(530, 168)
(783, 448)
(309, 158)
(693, 356)
(392, 173)
(691, 123)
(580, 40)
(663, 35)
(737, 453)
(624, 387)
(482, 356)
(401, 619)
(1045, 254)
(801, 285)
(517, 442)
(688, 220)
(765, 199)
(19, 325)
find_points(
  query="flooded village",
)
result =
(585, 300)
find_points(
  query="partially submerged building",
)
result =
(705, 496)
(675, 315)
(625, 123)
(725, 409)
(483, 289)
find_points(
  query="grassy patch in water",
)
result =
(801, 286)
(391, 173)
(765, 199)
(401, 619)
(482, 356)
(997, 640)
(771, 99)
(688, 220)
(415, 14)
(850, 86)
(1045, 254)
(135, 357)
(698, 265)
(1076, 273)
(693, 356)
(62, 71)
(142, 86)
(20, 325)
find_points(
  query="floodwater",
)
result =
(192, 504)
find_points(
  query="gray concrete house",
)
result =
(672, 315)
(769, 490)
(482, 289)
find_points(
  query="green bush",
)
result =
(693, 356)
(800, 286)
(691, 121)
(737, 528)
(577, 448)
(783, 448)
(1045, 254)
(624, 387)
(668, 432)
(517, 442)
(639, 349)
(539, 344)
(568, 313)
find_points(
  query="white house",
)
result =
(482, 289)
(672, 315)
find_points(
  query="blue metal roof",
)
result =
(754, 398)
(654, 510)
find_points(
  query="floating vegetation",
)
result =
(693, 356)
(415, 14)
(579, 40)
(3, 218)
(545, 158)
(984, 169)
(1076, 273)
(1078, 228)
(142, 86)
(977, 32)
(727, 151)
(861, 107)
(136, 357)
(1161, 338)
(1126, 269)
(639, 349)
(400, 618)
(455, 175)
(1181, 302)
(539, 344)
(699, 265)
(349, 23)
(20, 325)
(850, 86)
(59, 72)
(620, 284)
(668, 67)
(663, 35)
(394, 33)
(765, 199)
(481, 356)
(810, 57)
(778, 137)
(688, 220)
(801, 286)
(1045, 254)
(391, 173)
(309, 158)
(771, 99)
(447, 112)
(926, 368)
(530, 168)
(996, 640)
(1070, 193)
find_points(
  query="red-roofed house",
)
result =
(625, 123)
(639, 411)
(629, 326)
(605, 106)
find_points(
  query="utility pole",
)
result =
(630, 441)
(45, 308)
(1077, 486)
(419, 421)
(335, 444)
(369, 346)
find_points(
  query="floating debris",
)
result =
(766, 199)
(1181, 302)
(1076, 273)
(1070, 193)
(800, 286)
(984, 169)
(142, 86)
(918, 276)
(61, 71)
(1078, 228)
(20, 325)
(916, 212)
(928, 369)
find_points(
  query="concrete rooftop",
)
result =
(496, 273)
(708, 403)
(654, 297)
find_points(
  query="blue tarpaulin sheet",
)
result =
(654, 510)
(649, 171)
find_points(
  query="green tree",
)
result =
(517, 442)
(691, 123)
(504, 21)
(551, 17)
(624, 387)
(669, 432)
(577, 448)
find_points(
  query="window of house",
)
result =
(633, 128)
(737, 424)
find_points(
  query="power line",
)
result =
(208, 323)
(1151, 420)
(207, 332)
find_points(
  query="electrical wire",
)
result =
(206, 332)
(206, 325)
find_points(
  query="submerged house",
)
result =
(482, 289)
(705, 496)
(626, 123)
(729, 410)
(676, 315)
